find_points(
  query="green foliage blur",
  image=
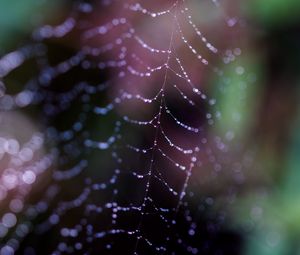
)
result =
(17, 18)
(269, 215)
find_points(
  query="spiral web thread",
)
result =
(159, 164)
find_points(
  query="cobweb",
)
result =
(126, 143)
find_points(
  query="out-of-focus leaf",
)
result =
(18, 17)
(274, 12)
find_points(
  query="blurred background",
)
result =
(56, 81)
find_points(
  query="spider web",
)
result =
(128, 148)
